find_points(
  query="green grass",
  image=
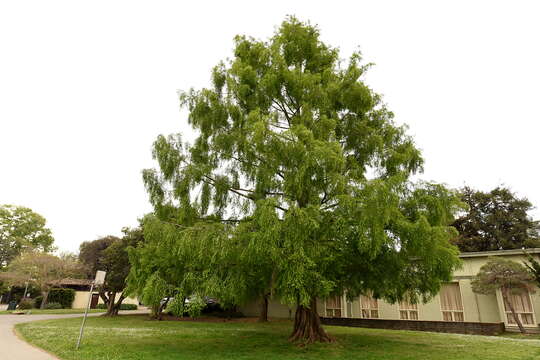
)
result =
(136, 337)
(52, 311)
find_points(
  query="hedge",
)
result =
(64, 297)
(122, 306)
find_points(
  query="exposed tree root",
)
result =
(307, 326)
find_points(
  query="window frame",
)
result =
(507, 314)
(333, 309)
(369, 309)
(453, 312)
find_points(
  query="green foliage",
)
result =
(53, 306)
(534, 267)
(110, 254)
(499, 273)
(154, 291)
(195, 306)
(296, 186)
(177, 306)
(37, 301)
(62, 296)
(496, 220)
(22, 230)
(26, 304)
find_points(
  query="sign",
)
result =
(100, 277)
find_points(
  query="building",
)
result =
(82, 292)
(456, 302)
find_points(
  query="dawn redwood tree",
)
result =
(495, 220)
(296, 157)
(509, 277)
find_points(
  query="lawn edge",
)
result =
(20, 336)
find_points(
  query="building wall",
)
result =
(81, 300)
(476, 308)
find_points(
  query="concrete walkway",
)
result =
(13, 348)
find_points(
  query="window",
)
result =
(521, 303)
(408, 311)
(333, 306)
(451, 305)
(369, 307)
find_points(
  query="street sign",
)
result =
(100, 277)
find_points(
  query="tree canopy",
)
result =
(22, 230)
(110, 254)
(496, 220)
(300, 173)
(505, 275)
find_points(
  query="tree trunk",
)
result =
(263, 315)
(514, 315)
(307, 326)
(45, 295)
(115, 306)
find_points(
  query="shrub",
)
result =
(64, 297)
(53, 306)
(122, 306)
(26, 304)
(128, 307)
(37, 301)
(176, 306)
(195, 306)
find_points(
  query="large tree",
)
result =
(507, 276)
(22, 230)
(110, 254)
(43, 270)
(495, 220)
(298, 158)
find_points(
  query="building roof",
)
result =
(73, 282)
(499, 253)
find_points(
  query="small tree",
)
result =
(508, 276)
(43, 270)
(110, 254)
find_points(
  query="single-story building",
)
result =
(82, 291)
(456, 302)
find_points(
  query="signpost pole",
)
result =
(85, 315)
(99, 280)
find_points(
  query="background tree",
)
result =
(507, 276)
(41, 269)
(496, 220)
(110, 254)
(21, 230)
(293, 144)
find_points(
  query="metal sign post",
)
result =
(99, 280)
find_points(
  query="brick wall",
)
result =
(418, 325)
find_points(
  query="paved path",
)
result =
(13, 348)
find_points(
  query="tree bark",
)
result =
(113, 307)
(45, 295)
(307, 326)
(263, 315)
(514, 315)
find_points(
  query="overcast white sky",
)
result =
(85, 87)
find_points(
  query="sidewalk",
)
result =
(13, 348)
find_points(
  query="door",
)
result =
(94, 302)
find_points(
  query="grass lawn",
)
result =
(52, 311)
(136, 337)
